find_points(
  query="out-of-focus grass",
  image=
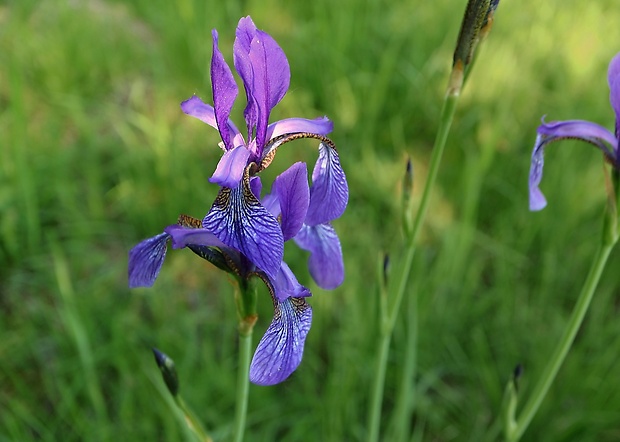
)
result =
(96, 155)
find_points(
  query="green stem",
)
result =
(377, 387)
(243, 382)
(405, 397)
(389, 319)
(191, 420)
(551, 370)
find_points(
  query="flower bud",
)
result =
(476, 24)
(169, 373)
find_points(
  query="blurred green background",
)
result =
(96, 155)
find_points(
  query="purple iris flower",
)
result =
(237, 218)
(243, 233)
(586, 131)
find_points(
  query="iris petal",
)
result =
(586, 131)
(195, 107)
(271, 79)
(325, 263)
(613, 78)
(293, 193)
(229, 170)
(246, 29)
(280, 350)
(287, 286)
(146, 259)
(537, 199)
(580, 130)
(239, 220)
(329, 193)
(224, 92)
(183, 236)
(320, 126)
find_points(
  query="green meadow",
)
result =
(96, 155)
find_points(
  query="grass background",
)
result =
(96, 155)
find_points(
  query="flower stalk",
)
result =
(243, 381)
(478, 17)
(245, 297)
(609, 238)
(397, 286)
(559, 355)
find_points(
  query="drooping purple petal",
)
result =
(246, 29)
(560, 130)
(146, 259)
(239, 220)
(325, 263)
(293, 193)
(280, 350)
(329, 193)
(613, 78)
(537, 199)
(224, 92)
(320, 126)
(271, 79)
(581, 130)
(229, 170)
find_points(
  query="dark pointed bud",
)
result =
(518, 371)
(407, 203)
(169, 373)
(488, 20)
(386, 269)
(408, 184)
(516, 375)
(409, 176)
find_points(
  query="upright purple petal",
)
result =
(229, 170)
(280, 350)
(293, 193)
(329, 193)
(239, 220)
(224, 92)
(271, 79)
(246, 30)
(325, 263)
(613, 78)
(320, 126)
(146, 259)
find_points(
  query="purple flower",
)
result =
(586, 131)
(243, 233)
(237, 217)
